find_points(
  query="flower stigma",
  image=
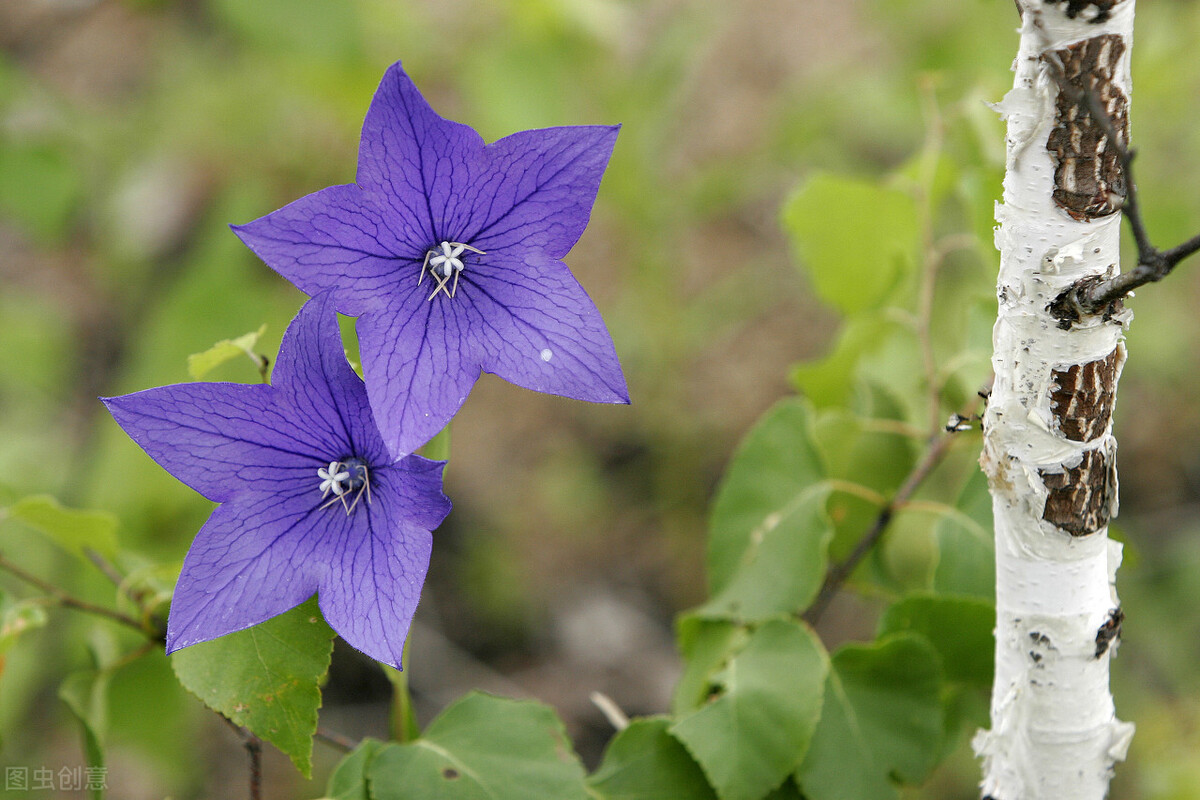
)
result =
(444, 265)
(343, 478)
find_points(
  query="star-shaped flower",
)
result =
(311, 500)
(448, 252)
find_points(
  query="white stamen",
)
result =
(337, 479)
(547, 354)
(444, 265)
(424, 267)
(331, 479)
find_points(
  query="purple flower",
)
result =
(311, 500)
(448, 252)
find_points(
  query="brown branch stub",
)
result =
(1080, 499)
(1110, 631)
(1095, 295)
(1089, 176)
(1093, 10)
(1082, 396)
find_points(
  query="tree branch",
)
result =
(939, 444)
(334, 739)
(253, 747)
(70, 601)
(1095, 295)
(838, 573)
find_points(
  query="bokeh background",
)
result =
(132, 132)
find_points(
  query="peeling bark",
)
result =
(1049, 452)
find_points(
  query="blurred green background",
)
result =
(132, 132)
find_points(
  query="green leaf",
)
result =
(874, 454)
(855, 237)
(86, 695)
(905, 559)
(349, 778)
(892, 380)
(266, 678)
(959, 628)
(17, 619)
(875, 371)
(643, 762)
(966, 551)
(788, 791)
(200, 364)
(70, 528)
(830, 381)
(758, 726)
(486, 748)
(706, 645)
(941, 170)
(769, 530)
(882, 720)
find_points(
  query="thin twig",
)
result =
(929, 264)
(105, 566)
(334, 739)
(1091, 296)
(152, 623)
(838, 574)
(70, 601)
(939, 444)
(253, 747)
(254, 750)
(611, 711)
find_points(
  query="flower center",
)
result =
(443, 263)
(349, 476)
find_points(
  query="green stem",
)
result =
(438, 448)
(403, 720)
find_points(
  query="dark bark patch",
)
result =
(1100, 10)
(1081, 397)
(1079, 498)
(1069, 307)
(1088, 179)
(1109, 631)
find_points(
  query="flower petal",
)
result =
(372, 586)
(339, 240)
(215, 437)
(536, 327)
(258, 555)
(317, 388)
(537, 188)
(418, 373)
(417, 163)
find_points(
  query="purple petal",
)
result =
(216, 437)
(417, 163)
(371, 589)
(538, 187)
(263, 553)
(258, 555)
(418, 373)
(339, 240)
(317, 388)
(536, 327)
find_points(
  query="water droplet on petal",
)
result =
(547, 354)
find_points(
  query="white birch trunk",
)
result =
(1049, 452)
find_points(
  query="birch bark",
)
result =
(1049, 452)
